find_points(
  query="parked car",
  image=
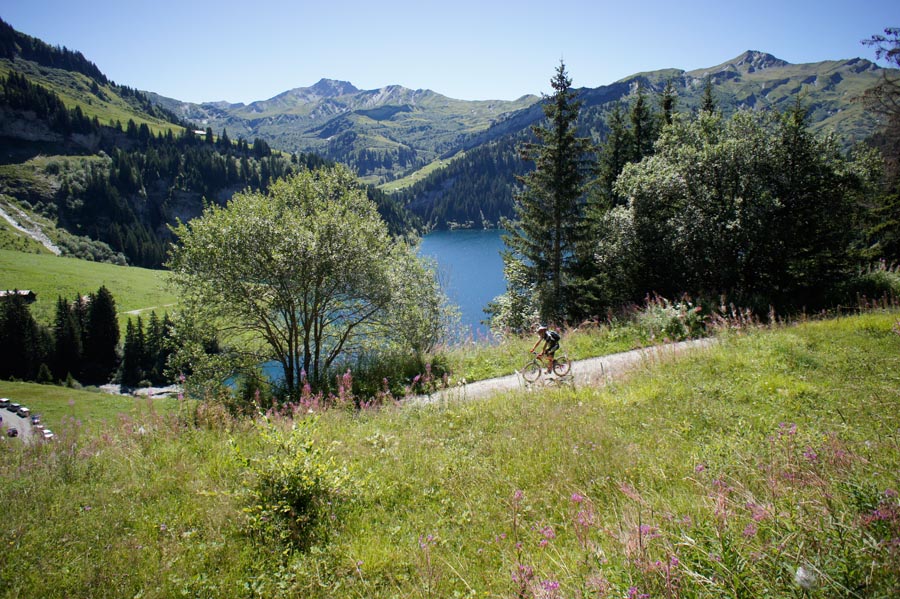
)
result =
(13, 407)
(4, 402)
(12, 432)
(48, 435)
(35, 419)
(24, 412)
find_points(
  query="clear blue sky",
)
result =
(473, 50)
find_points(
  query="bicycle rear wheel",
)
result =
(561, 366)
(532, 371)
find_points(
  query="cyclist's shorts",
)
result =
(552, 349)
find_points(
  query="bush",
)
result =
(877, 282)
(675, 321)
(293, 487)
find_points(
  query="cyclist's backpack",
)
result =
(553, 336)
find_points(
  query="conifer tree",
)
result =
(643, 132)
(101, 337)
(667, 102)
(708, 103)
(549, 210)
(67, 341)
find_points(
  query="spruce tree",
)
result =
(549, 210)
(67, 341)
(102, 337)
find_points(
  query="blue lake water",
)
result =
(471, 270)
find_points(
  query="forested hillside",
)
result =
(828, 91)
(119, 185)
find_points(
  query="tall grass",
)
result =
(765, 465)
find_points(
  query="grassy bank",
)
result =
(52, 276)
(764, 466)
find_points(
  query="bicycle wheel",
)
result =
(532, 371)
(561, 366)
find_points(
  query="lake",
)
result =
(471, 271)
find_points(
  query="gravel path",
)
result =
(592, 372)
(34, 231)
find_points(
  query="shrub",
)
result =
(675, 321)
(293, 486)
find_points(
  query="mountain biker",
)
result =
(551, 344)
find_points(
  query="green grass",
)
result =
(718, 474)
(420, 174)
(52, 276)
(95, 410)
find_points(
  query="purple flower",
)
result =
(810, 454)
(750, 530)
(699, 468)
(576, 498)
(550, 586)
(517, 496)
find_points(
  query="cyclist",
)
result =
(551, 344)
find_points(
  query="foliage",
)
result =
(550, 208)
(145, 353)
(783, 196)
(135, 289)
(764, 465)
(309, 271)
(294, 489)
(25, 345)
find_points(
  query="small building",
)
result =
(28, 295)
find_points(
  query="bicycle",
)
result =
(534, 367)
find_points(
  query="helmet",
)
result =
(541, 328)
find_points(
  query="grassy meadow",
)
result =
(53, 276)
(764, 466)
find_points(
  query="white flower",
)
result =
(805, 579)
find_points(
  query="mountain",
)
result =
(461, 193)
(101, 171)
(382, 133)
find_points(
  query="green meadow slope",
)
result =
(767, 465)
(52, 276)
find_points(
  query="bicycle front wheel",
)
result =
(532, 371)
(561, 366)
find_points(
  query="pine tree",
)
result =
(25, 346)
(708, 103)
(101, 337)
(667, 102)
(133, 354)
(643, 132)
(614, 155)
(549, 210)
(67, 341)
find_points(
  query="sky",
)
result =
(201, 51)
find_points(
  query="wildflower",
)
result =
(750, 530)
(550, 586)
(517, 496)
(810, 454)
(576, 498)
(890, 493)
(805, 579)
(699, 468)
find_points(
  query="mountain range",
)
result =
(446, 161)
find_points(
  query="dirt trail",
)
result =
(592, 372)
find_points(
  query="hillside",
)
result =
(104, 172)
(764, 466)
(754, 80)
(382, 133)
(135, 290)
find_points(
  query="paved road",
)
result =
(14, 420)
(592, 372)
